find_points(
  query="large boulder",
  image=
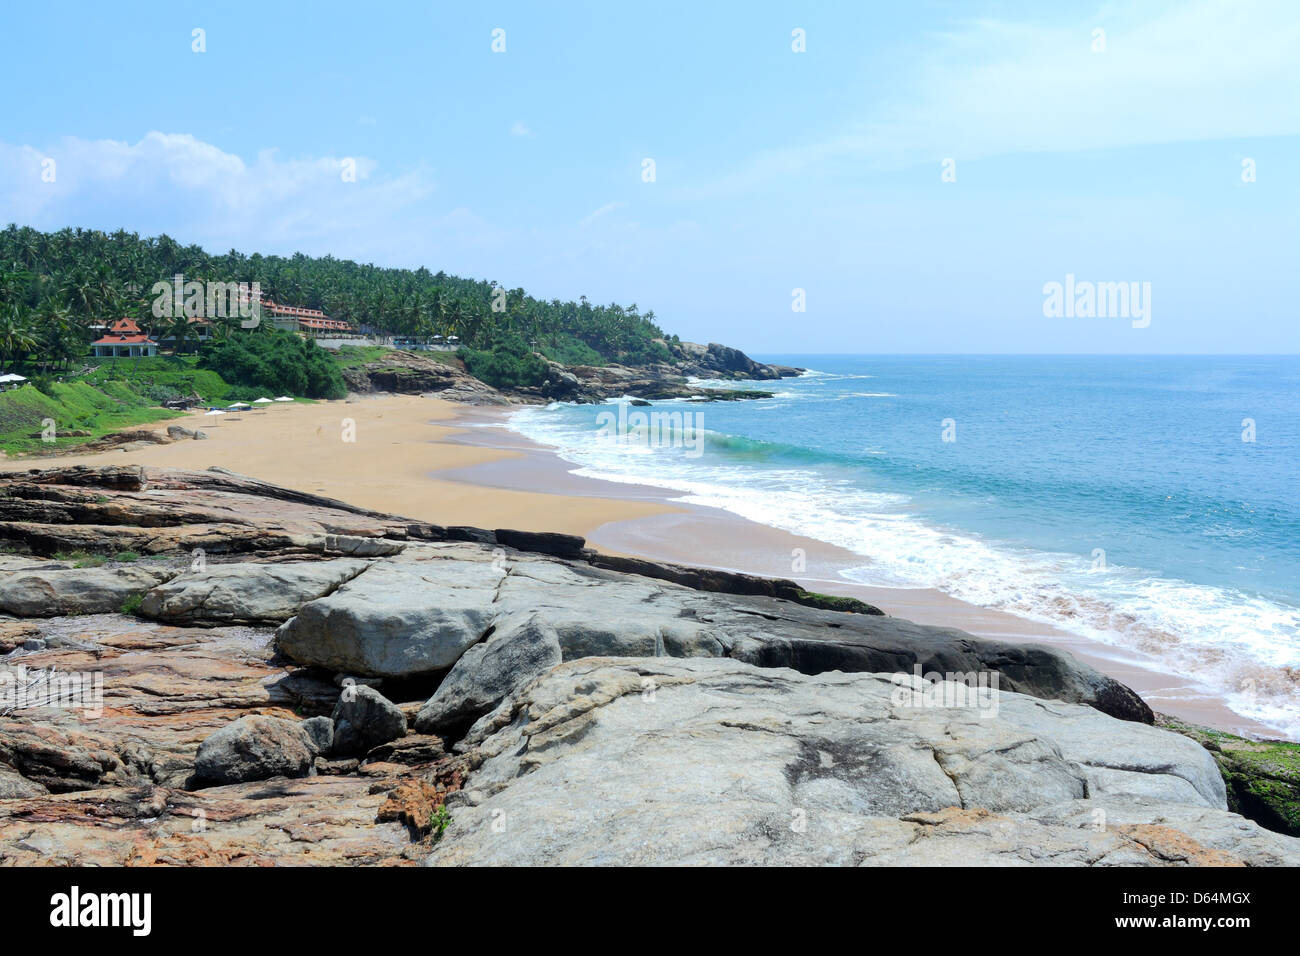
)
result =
(256, 748)
(248, 592)
(364, 719)
(490, 671)
(76, 590)
(398, 619)
(663, 761)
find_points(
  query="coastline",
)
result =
(449, 464)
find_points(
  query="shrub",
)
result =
(509, 363)
(278, 362)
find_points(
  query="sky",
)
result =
(921, 171)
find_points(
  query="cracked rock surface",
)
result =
(678, 761)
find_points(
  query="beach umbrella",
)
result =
(263, 402)
(213, 412)
(284, 398)
(236, 408)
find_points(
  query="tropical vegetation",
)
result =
(55, 287)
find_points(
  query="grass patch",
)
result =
(350, 356)
(132, 605)
(163, 378)
(126, 557)
(78, 407)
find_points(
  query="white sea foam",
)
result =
(1238, 646)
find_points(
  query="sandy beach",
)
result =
(449, 464)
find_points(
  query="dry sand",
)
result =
(448, 464)
(386, 467)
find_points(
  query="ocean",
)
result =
(1151, 503)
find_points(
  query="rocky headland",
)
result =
(417, 373)
(201, 668)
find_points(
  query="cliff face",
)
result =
(286, 678)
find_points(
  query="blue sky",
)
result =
(775, 170)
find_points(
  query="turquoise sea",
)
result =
(1113, 497)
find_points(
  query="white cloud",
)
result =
(520, 128)
(201, 193)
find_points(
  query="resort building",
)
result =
(311, 322)
(124, 340)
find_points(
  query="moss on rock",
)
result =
(1262, 776)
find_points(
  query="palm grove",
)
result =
(54, 287)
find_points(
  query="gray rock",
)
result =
(200, 434)
(585, 612)
(418, 613)
(256, 748)
(663, 761)
(179, 431)
(321, 732)
(247, 592)
(488, 672)
(397, 619)
(363, 719)
(76, 590)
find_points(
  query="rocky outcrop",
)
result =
(660, 382)
(722, 361)
(725, 763)
(414, 374)
(741, 718)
